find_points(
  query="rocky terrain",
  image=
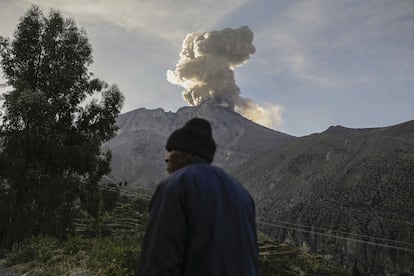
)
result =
(345, 192)
(138, 150)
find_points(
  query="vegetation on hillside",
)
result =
(114, 248)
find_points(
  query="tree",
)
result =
(51, 157)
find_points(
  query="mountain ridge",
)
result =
(355, 181)
(138, 149)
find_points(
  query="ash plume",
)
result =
(206, 71)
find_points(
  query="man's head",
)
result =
(194, 141)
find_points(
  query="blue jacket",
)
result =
(202, 222)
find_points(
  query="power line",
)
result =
(338, 237)
(302, 228)
(376, 212)
(337, 232)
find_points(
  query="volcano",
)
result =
(138, 149)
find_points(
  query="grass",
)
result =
(46, 256)
(97, 256)
(118, 253)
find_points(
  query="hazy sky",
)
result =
(320, 62)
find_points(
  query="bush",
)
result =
(37, 249)
(114, 257)
(100, 256)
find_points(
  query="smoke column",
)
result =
(206, 71)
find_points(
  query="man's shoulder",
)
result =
(206, 171)
(196, 171)
(201, 169)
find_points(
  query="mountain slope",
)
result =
(344, 192)
(138, 150)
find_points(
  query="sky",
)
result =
(316, 63)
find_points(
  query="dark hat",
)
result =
(194, 137)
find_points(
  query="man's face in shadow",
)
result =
(176, 159)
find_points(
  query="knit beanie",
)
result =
(194, 137)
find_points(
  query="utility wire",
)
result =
(338, 237)
(302, 228)
(335, 231)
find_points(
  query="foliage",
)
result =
(119, 257)
(50, 145)
(118, 254)
(39, 249)
(113, 256)
(100, 256)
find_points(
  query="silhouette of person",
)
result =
(202, 220)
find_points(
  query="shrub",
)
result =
(38, 249)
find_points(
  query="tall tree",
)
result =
(50, 146)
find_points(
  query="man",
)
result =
(202, 220)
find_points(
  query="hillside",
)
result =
(138, 149)
(116, 250)
(344, 192)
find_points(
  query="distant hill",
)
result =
(345, 192)
(138, 150)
